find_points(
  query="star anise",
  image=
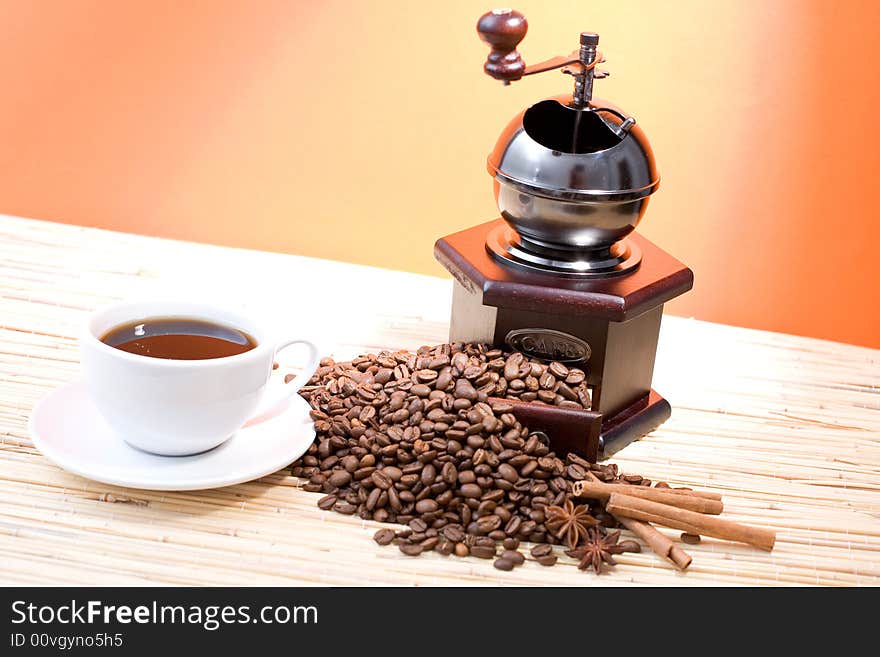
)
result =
(597, 550)
(568, 522)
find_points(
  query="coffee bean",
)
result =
(583, 396)
(691, 539)
(576, 472)
(486, 507)
(510, 543)
(426, 376)
(467, 477)
(511, 366)
(567, 394)
(373, 499)
(429, 473)
(503, 564)
(340, 478)
(418, 525)
(393, 473)
(547, 560)
(411, 549)
(349, 463)
(454, 533)
(630, 546)
(546, 396)
(575, 377)
(449, 474)
(542, 550)
(527, 527)
(381, 480)
(487, 524)
(326, 503)
(513, 556)
(426, 506)
(384, 536)
(461, 550)
(394, 500)
(427, 457)
(547, 381)
(558, 370)
(471, 490)
(429, 543)
(444, 380)
(420, 390)
(345, 508)
(363, 473)
(494, 495)
(465, 390)
(508, 472)
(366, 394)
(483, 551)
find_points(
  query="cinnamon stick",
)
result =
(627, 506)
(662, 545)
(601, 491)
(672, 491)
(693, 493)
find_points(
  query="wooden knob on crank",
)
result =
(503, 29)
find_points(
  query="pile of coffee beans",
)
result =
(413, 438)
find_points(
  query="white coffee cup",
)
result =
(180, 407)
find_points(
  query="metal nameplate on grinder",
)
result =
(548, 344)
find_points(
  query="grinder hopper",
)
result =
(572, 174)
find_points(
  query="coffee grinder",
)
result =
(561, 275)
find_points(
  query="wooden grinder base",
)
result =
(617, 317)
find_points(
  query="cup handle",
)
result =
(276, 406)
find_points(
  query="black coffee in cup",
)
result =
(179, 338)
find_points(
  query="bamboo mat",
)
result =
(787, 428)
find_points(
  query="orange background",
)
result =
(358, 131)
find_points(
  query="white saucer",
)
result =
(70, 432)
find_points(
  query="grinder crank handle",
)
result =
(504, 29)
